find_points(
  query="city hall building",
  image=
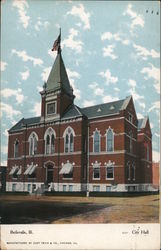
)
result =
(102, 148)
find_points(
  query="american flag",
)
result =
(56, 44)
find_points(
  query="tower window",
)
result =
(16, 149)
(51, 108)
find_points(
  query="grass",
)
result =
(56, 210)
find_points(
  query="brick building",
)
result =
(68, 148)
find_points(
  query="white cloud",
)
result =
(72, 76)
(3, 66)
(9, 111)
(137, 20)
(4, 150)
(144, 53)
(108, 51)
(117, 89)
(152, 72)
(157, 135)
(5, 133)
(140, 116)
(109, 98)
(41, 24)
(156, 156)
(79, 11)
(21, 6)
(87, 103)
(154, 106)
(115, 36)
(37, 108)
(25, 57)
(71, 43)
(109, 78)
(45, 74)
(25, 75)
(96, 90)
(135, 95)
(132, 83)
(110, 36)
(6, 93)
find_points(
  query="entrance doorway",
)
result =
(49, 174)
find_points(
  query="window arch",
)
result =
(69, 140)
(109, 140)
(33, 139)
(16, 148)
(49, 138)
(96, 141)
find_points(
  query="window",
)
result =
(33, 139)
(128, 170)
(13, 187)
(96, 188)
(96, 173)
(130, 117)
(64, 188)
(133, 172)
(29, 188)
(70, 188)
(96, 143)
(108, 188)
(110, 140)
(68, 176)
(51, 108)
(110, 172)
(147, 153)
(15, 175)
(16, 144)
(131, 142)
(50, 136)
(69, 140)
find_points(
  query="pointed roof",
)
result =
(142, 122)
(58, 78)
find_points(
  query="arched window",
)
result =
(109, 170)
(69, 140)
(131, 142)
(96, 142)
(110, 140)
(49, 138)
(33, 139)
(16, 145)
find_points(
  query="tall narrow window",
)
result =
(16, 149)
(69, 140)
(147, 152)
(96, 143)
(128, 170)
(50, 136)
(110, 170)
(131, 141)
(33, 139)
(110, 140)
(133, 172)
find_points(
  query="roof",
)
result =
(103, 109)
(142, 123)
(58, 78)
(23, 122)
(73, 111)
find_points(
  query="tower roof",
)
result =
(58, 78)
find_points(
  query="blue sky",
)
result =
(111, 50)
